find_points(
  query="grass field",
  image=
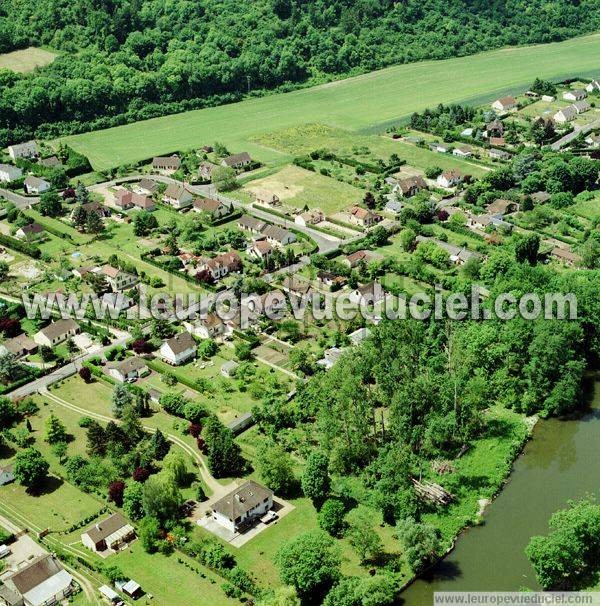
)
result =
(26, 60)
(365, 103)
(298, 187)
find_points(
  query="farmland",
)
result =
(26, 60)
(365, 103)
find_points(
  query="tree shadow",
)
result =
(444, 570)
(51, 484)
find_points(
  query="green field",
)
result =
(26, 60)
(364, 103)
(298, 187)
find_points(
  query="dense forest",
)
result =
(125, 60)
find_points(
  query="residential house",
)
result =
(463, 151)
(393, 206)
(272, 303)
(123, 199)
(499, 154)
(243, 506)
(42, 582)
(209, 327)
(117, 278)
(367, 294)
(297, 286)
(494, 129)
(565, 256)
(576, 94)
(331, 280)
(458, 255)
(177, 196)
(330, 357)
(502, 207)
(7, 474)
(110, 534)
(278, 236)
(410, 186)
(128, 369)
(481, 222)
(358, 336)
(95, 207)
(237, 161)
(179, 349)
(215, 208)
(310, 217)
(360, 256)
(582, 106)
(126, 199)
(143, 201)
(228, 369)
(147, 187)
(594, 85)
(205, 171)
(440, 148)
(593, 140)
(9, 173)
(364, 217)
(221, 265)
(26, 150)
(30, 232)
(548, 98)
(267, 198)
(166, 165)
(260, 250)
(19, 346)
(450, 178)
(57, 332)
(132, 589)
(35, 185)
(251, 224)
(566, 114)
(504, 104)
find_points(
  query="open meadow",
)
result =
(364, 103)
(26, 60)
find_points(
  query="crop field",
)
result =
(366, 103)
(298, 187)
(26, 60)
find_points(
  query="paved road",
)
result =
(577, 130)
(19, 200)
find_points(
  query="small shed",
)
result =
(132, 589)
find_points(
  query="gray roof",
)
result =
(148, 185)
(276, 233)
(41, 569)
(18, 343)
(251, 223)
(166, 162)
(241, 500)
(175, 191)
(59, 328)
(32, 181)
(130, 364)
(104, 529)
(235, 159)
(181, 342)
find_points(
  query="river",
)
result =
(561, 462)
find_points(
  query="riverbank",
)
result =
(558, 464)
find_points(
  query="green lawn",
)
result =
(363, 103)
(587, 208)
(298, 187)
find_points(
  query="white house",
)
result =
(592, 86)
(177, 196)
(117, 278)
(228, 368)
(129, 369)
(243, 506)
(57, 332)
(179, 349)
(574, 95)
(267, 198)
(42, 582)
(548, 98)
(260, 250)
(330, 357)
(566, 114)
(215, 208)
(368, 294)
(504, 104)
(29, 149)
(278, 236)
(450, 178)
(9, 173)
(35, 185)
(110, 534)
(209, 327)
(463, 151)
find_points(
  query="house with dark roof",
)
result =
(577, 94)
(237, 161)
(177, 196)
(221, 265)
(251, 224)
(26, 150)
(179, 349)
(147, 187)
(128, 369)
(30, 232)
(367, 294)
(206, 170)
(243, 506)
(109, 534)
(450, 178)
(278, 236)
(410, 186)
(566, 114)
(166, 165)
(502, 207)
(19, 346)
(495, 128)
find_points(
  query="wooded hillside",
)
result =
(127, 60)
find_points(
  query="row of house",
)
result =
(275, 235)
(167, 165)
(566, 114)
